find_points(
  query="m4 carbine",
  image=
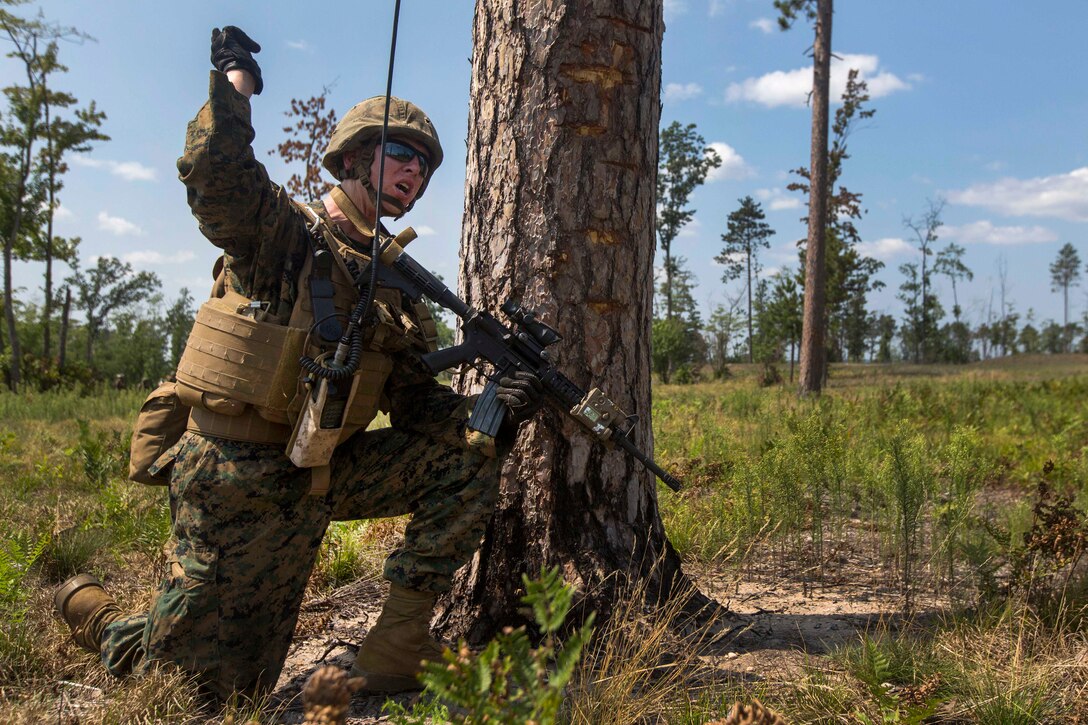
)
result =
(507, 349)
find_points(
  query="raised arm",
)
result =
(229, 192)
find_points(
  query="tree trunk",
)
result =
(14, 377)
(559, 213)
(92, 333)
(668, 281)
(812, 334)
(62, 342)
(751, 353)
(47, 307)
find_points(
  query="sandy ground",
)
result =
(780, 620)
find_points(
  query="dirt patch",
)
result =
(784, 619)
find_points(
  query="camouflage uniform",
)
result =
(247, 530)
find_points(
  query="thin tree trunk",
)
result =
(14, 378)
(812, 334)
(559, 211)
(91, 334)
(9, 246)
(751, 353)
(668, 286)
(47, 307)
(62, 342)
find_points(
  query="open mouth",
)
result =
(403, 188)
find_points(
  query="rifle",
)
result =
(508, 349)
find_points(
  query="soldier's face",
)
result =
(403, 178)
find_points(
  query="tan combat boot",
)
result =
(394, 649)
(86, 608)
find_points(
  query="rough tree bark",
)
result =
(559, 213)
(814, 325)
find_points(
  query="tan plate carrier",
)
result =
(241, 373)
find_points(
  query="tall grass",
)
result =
(67, 405)
(907, 459)
(931, 473)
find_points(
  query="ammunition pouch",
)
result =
(232, 360)
(162, 420)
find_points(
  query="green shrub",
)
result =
(509, 681)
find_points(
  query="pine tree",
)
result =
(684, 160)
(1065, 273)
(746, 234)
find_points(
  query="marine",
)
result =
(247, 521)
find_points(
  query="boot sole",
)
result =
(377, 683)
(67, 589)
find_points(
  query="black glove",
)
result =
(522, 395)
(232, 49)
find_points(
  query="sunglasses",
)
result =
(404, 153)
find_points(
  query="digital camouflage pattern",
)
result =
(246, 529)
(248, 532)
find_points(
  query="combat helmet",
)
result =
(360, 129)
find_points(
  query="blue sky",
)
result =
(979, 102)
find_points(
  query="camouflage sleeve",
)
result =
(228, 189)
(418, 402)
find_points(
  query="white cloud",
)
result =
(717, 7)
(675, 7)
(779, 199)
(127, 170)
(791, 88)
(765, 25)
(425, 231)
(117, 225)
(682, 91)
(1063, 196)
(884, 249)
(298, 45)
(59, 212)
(733, 164)
(984, 232)
(147, 257)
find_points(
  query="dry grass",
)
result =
(1014, 665)
(645, 663)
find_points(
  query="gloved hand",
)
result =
(522, 395)
(232, 49)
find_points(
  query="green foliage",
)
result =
(342, 558)
(675, 350)
(908, 480)
(102, 454)
(18, 553)
(746, 234)
(684, 160)
(107, 287)
(888, 668)
(509, 681)
(73, 551)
